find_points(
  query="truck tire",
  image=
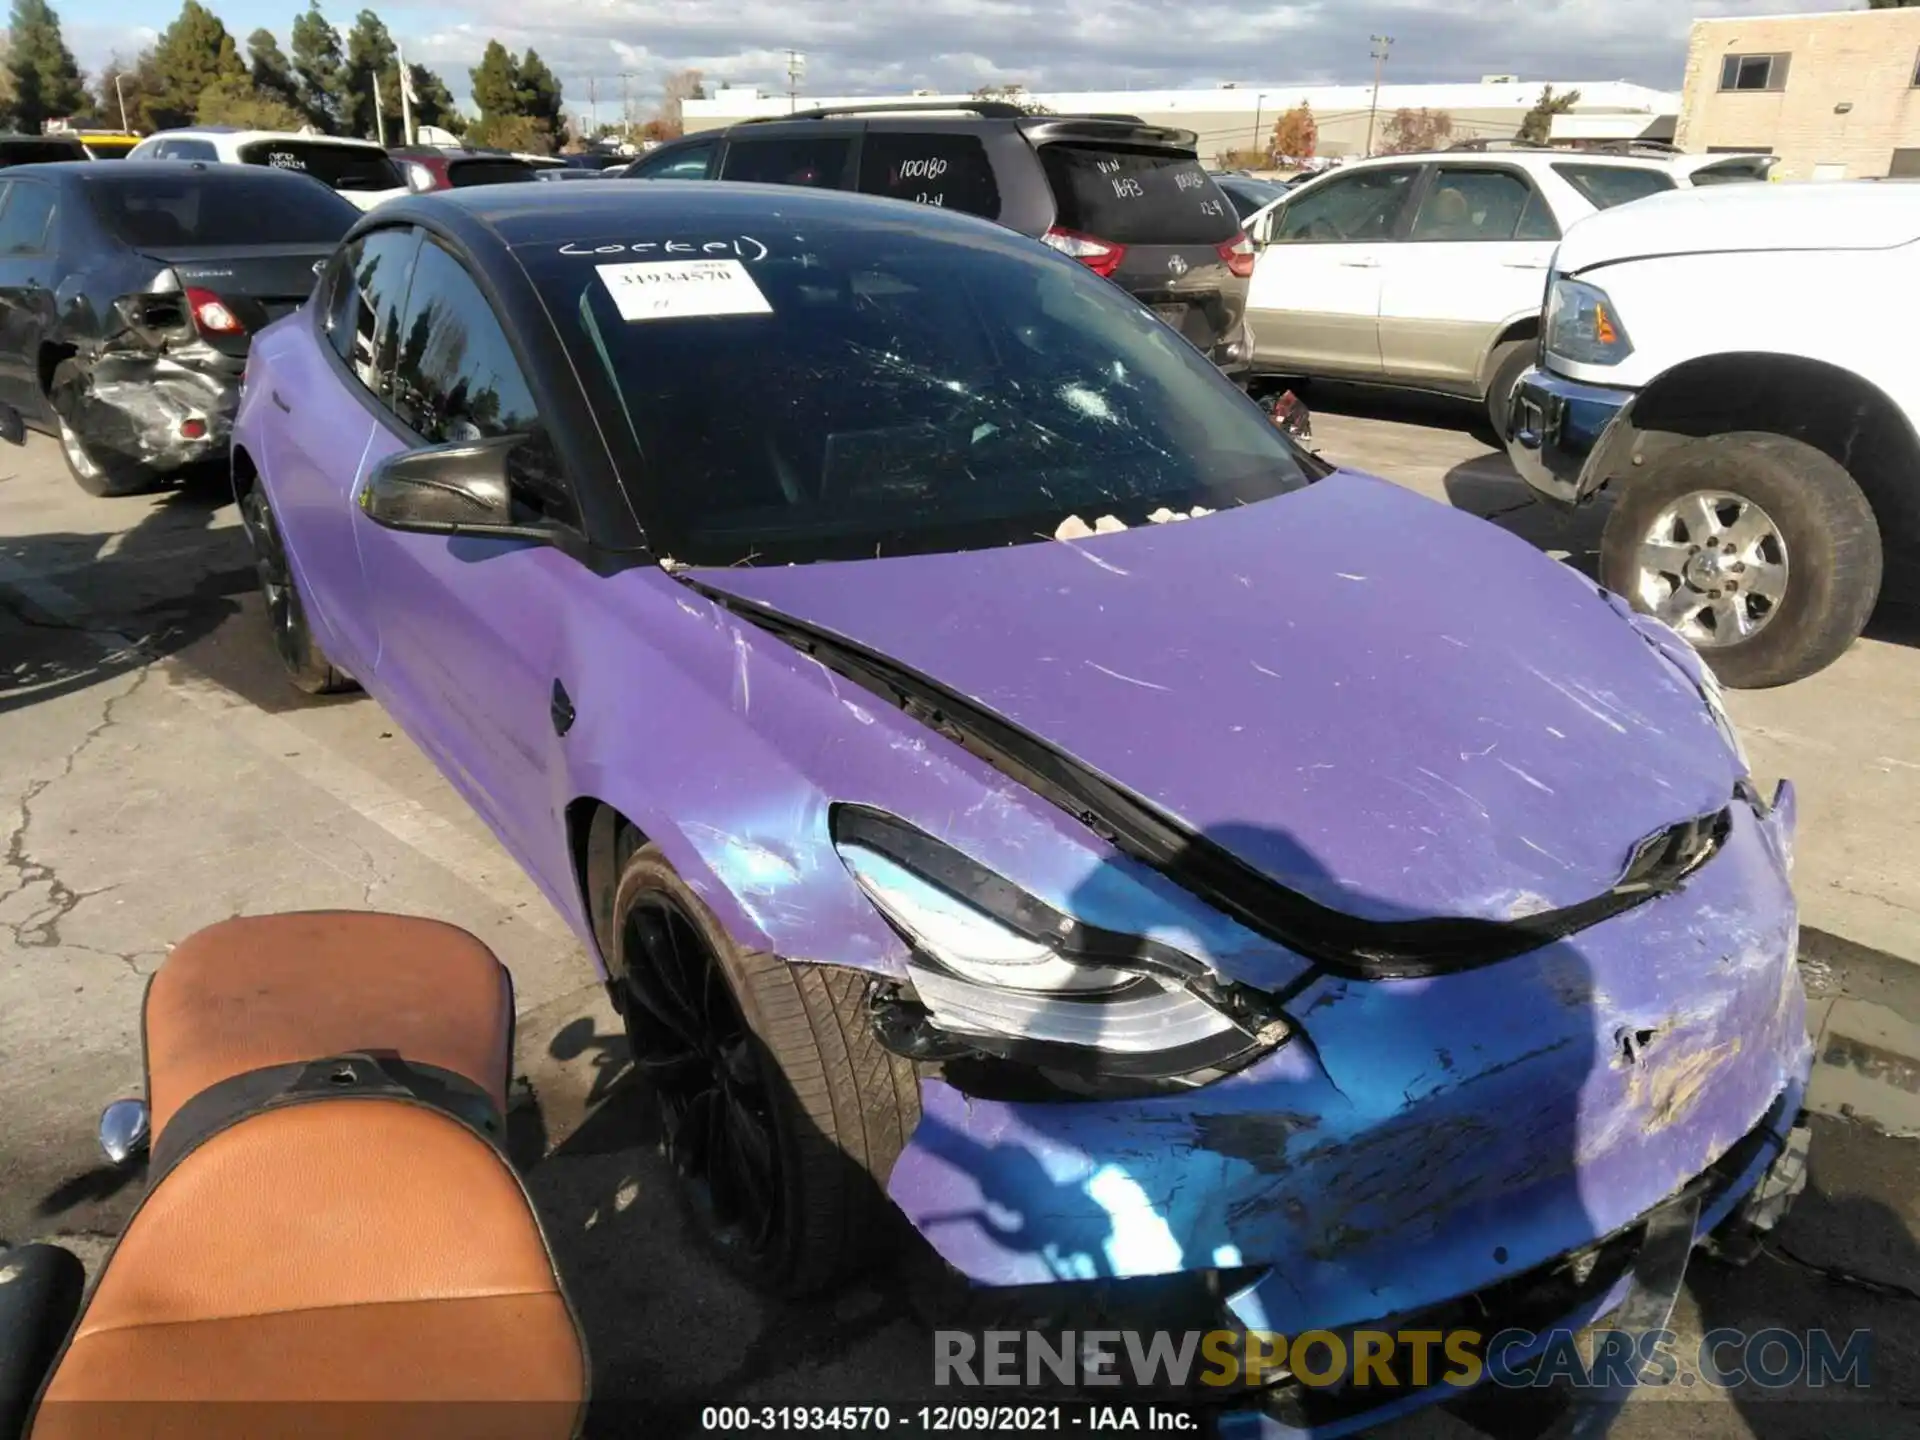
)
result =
(784, 1051)
(1508, 363)
(1758, 548)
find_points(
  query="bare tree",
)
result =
(1411, 131)
(1013, 93)
(681, 86)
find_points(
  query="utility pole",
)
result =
(593, 108)
(379, 119)
(1381, 45)
(626, 105)
(796, 67)
(121, 96)
(1258, 101)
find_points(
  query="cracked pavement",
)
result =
(157, 774)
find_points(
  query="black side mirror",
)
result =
(13, 429)
(455, 489)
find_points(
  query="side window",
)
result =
(457, 380)
(689, 163)
(950, 171)
(817, 160)
(192, 150)
(25, 218)
(364, 319)
(1472, 205)
(1363, 206)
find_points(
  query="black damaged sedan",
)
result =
(129, 294)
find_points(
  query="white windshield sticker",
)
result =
(666, 289)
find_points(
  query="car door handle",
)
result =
(1522, 265)
(275, 396)
(1361, 264)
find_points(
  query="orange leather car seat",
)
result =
(343, 1257)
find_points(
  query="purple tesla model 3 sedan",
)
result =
(1003, 776)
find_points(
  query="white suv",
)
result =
(362, 172)
(1736, 367)
(1426, 271)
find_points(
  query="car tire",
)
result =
(790, 1058)
(1508, 363)
(1824, 557)
(105, 476)
(306, 664)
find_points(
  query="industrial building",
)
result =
(1241, 117)
(1835, 96)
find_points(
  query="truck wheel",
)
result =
(780, 1112)
(1758, 548)
(1510, 362)
(97, 474)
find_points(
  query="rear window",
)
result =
(1137, 197)
(344, 167)
(216, 207)
(948, 171)
(26, 151)
(1733, 172)
(1608, 185)
(490, 171)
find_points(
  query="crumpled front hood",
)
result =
(1395, 709)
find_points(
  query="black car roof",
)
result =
(123, 170)
(554, 214)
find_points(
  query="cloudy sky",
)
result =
(960, 44)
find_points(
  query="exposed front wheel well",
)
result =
(1844, 417)
(49, 361)
(245, 476)
(601, 840)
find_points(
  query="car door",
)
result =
(327, 395)
(1474, 259)
(470, 626)
(1314, 298)
(28, 277)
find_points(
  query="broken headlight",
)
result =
(1008, 973)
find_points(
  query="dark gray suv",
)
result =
(1129, 200)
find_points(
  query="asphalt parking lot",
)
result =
(157, 774)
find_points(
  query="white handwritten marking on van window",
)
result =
(931, 169)
(1128, 189)
(1187, 180)
(669, 289)
(741, 247)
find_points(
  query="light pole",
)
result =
(796, 67)
(121, 96)
(1259, 100)
(626, 105)
(1381, 45)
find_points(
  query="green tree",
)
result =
(139, 85)
(512, 132)
(236, 100)
(540, 96)
(46, 83)
(433, 102)
(194, 52)
(1537, 127)
(370, 54)
(496, 83)
(317, 63)
(272, 74)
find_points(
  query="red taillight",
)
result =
(1238, 253)
(1100, 256)
(211, 315)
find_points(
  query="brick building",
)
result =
(1835, 96)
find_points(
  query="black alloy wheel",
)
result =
(306, 666)
(693, 1045)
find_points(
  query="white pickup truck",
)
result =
(1736, 366)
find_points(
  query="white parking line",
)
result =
(479, 864)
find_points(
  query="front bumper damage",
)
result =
(157, 411)
(1499, 1145)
